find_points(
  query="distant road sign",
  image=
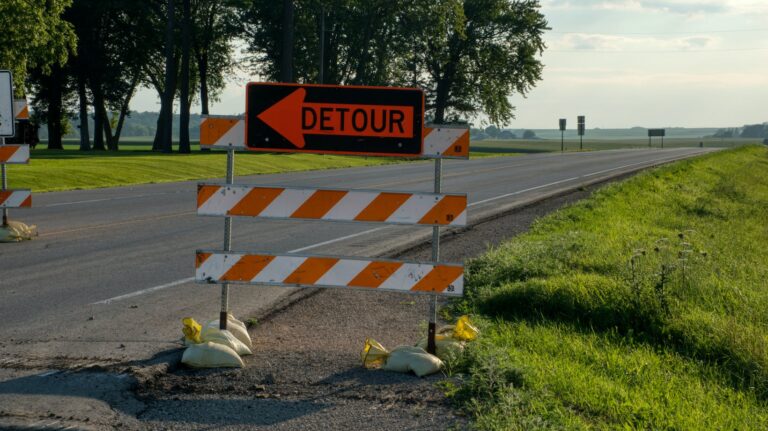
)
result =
(7, 121)
(562, 124)
(368, 121)
(328, 271)
(332, 204)
(580, 119)
(656, 132)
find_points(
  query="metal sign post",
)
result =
(227, 241)
(581, 127)
(658, 133)
(562, 133)
(4, 186)
(431, 346)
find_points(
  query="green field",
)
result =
(550, 145)
(642, 307)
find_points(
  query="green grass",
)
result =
(69, 169)
(582, 330)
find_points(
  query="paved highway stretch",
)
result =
(109, 276)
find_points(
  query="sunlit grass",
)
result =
(643, 307)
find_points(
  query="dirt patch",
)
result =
(306, 373)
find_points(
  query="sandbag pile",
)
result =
(210, 347)
(450, 341)
(16, 231)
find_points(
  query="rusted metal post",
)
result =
(227, 241)
(431, 346)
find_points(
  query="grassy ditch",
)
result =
(643, 307)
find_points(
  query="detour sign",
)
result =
(371, 121)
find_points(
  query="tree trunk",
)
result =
(98, 120)
(54, 108)
(286, 54)
(184, 146)
(202, 67)
(124, 108)
(166, 141)
(85, 136)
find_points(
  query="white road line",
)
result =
(191, 279)
(365, 232)
(61, 204)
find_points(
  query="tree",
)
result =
(488, 52)
(184, 96)
(492, 131)
(33, 35)
(529, 134)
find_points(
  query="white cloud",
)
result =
(683, 7)
(620, 43)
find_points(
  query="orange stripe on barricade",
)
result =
(311, 270)
(447, 210)
(438, 279)
(375, 274)
(24, 114)
(204, 192)
(319, 204)
(6, 152)
(4, 195)
(382, 207)
(212, 129)
(255, 201)
(247, 267)
(459, 148)
(200, 258)
(27, 202)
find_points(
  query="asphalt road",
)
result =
(109, 277)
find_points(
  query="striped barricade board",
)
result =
(332, 205)
(222, 132)
(15, 198)
(293, 270)
(14, 154)
(20, 109)
(446, 142)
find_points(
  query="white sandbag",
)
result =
(446, 348)
(226, 338)
(410, 358)
(236, 327)
(17, 231)
(211, 355)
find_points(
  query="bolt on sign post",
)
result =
(580, 120)
(10, 154)
(324, 119)
(562, 133)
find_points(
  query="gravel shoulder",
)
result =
(306, 372)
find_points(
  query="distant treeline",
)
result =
(759, 131)
(137, 124)
(751, 131)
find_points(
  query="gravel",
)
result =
(305, 373)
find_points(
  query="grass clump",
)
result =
(642, 307)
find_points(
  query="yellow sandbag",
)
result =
(446, 347)
(465, 330)
(236, 327)
(191, 331)
(374, 354)
(409, 358)
(211, 355)
(17, 231)
(216, 335)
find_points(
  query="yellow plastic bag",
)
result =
(465, 330)
(374, 354)
(191, 331)
(211, 355)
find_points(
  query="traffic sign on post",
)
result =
(365, 121)
(7, 120)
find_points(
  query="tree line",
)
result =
(87, 58)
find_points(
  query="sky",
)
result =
(627, 63)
